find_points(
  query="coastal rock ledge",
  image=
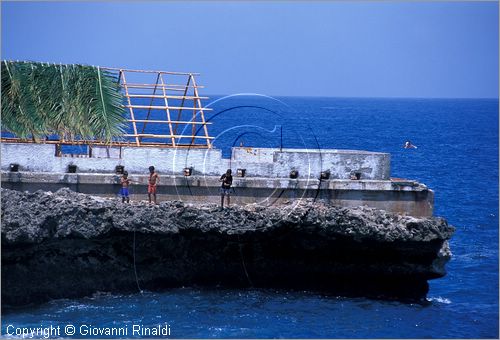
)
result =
(67, 245)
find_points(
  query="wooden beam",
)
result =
(150, 135)
(166, 121)
(193, 127)
(134, 126)
(202, 115)
(150, 103)
(102, 143)
(169, 88)
(165, 85)
(182, 103)
(150, 71)
(168, 96)
(166, 107)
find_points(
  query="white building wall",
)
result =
(259, 162)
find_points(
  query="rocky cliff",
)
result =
(65, 244)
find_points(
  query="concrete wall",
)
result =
(404, 197)
(259, 162)
(267, 179)
(310, 163)
(41, 157)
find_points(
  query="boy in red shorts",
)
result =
(154, 179)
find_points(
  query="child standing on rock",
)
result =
(153, 181)
(125, 182)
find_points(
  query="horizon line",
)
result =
(360, 97)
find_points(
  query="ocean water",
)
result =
(457, 157)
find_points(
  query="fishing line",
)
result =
(141, 302)
(135, 267)
(243, 261)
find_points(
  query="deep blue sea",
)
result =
(457, 157)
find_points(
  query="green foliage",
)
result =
(72, 101)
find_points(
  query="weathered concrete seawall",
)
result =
(398, 196)
(258, 162)
(65, 244)
(266, 182)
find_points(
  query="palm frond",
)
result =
(72, 101)
(106, 110)
(19, 113)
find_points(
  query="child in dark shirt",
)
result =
(225, 190)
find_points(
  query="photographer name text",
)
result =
(51, 331)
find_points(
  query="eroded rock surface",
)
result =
(67, 244)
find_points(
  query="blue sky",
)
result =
(334, 49)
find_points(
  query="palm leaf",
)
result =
(19, 113)
(107, 111)
(72, 101)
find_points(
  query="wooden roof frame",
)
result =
(162, 90)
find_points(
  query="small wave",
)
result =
(440, 300)
(100, 294)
